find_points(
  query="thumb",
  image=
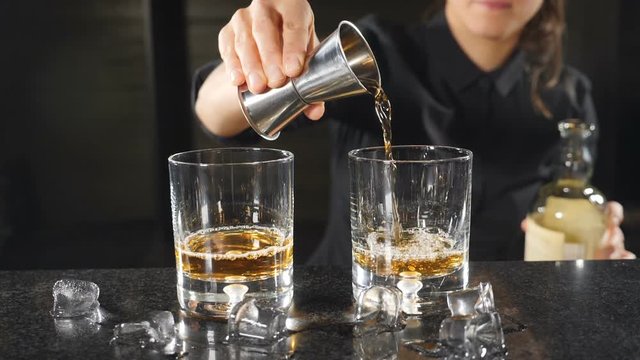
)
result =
(315, 111)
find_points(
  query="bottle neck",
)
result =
(576, 162)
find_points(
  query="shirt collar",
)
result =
(455, 66)
(509, 74)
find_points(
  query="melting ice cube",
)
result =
(474, 337)
(253, 320)
(378, 309)
(74, 298)
(135, 333)
(471, 301)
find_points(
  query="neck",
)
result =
(486, 53)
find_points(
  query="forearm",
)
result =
(217, 105)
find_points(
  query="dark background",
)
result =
(94, 97)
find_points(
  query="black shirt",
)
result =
(440, 97)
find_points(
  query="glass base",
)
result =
(213, 299)
(429, 298)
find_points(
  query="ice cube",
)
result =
(485, 331)
(135, 333)
(378, 309)
(256, 321)
(485, 303)
(102, 317)
(154, 336)
(74, 298)
(164, 325)
(474, 337)
(373, 346)
(418, 336)
(200, 330)
(453, 330)
(75, 328)
(471, 301)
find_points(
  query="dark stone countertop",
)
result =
(556, 310)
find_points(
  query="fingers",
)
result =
(612, 246)
(266, 42)
(247, 51)
(523, 225)
(266, 31)
(622, 255)
(229, 56)
(315, 111)
(297, 27)
(614, 213)
(627, 255)
(612, 242)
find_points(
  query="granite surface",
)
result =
(550, 310)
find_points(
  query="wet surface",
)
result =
(548, 310)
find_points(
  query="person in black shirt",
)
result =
(484, 75)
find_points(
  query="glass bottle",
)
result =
(567, 220)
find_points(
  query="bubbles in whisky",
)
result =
(242, 253)
(425, 251)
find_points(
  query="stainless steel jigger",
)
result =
(341, 66)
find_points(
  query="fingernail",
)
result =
(235, 77)
(255, 80)
(274, 73)
(292, 65)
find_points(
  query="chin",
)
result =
(494, 30)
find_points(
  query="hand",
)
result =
(267, 42)
(612, 244)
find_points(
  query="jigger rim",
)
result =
(458, 154)
(247, 115)
(366, 43)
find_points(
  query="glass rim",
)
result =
(464, 154)
(286, 156)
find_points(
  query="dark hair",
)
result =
(541, 40)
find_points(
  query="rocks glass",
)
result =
(233, 227)
(410, 220)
